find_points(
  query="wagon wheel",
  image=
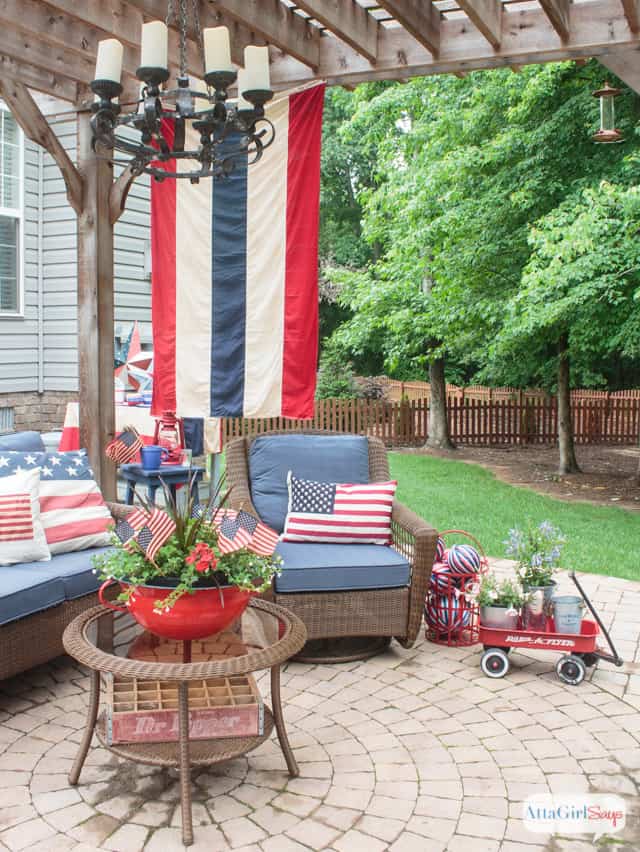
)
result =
(505, 648)
(571, 669)
(494, 663)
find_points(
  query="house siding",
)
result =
(56, 373)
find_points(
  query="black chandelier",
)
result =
(227, 131)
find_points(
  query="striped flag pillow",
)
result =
(73, 513)
(327, 512)
(22, 538)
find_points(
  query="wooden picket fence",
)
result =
(397, 391)
(482, 422)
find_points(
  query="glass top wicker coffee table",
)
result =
(154, 684)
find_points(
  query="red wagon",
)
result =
(579, 651)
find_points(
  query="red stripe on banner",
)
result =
(72, 501)
(163, 302)
(300, 353)
(66, 532)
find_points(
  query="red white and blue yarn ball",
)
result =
(463, 559)
(441, 578)
(446, 613)
(440, 549)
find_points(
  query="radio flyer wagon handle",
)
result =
(615, 658)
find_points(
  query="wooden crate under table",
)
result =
(146, 711)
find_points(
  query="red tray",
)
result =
(583, 643)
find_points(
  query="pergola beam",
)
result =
(420, 19)
(35, 126)
(38, 79)
(347, 20)
(626, 66)
(527, 37)
(58, 29)
(487, 16)
(558, 13)
(277, 24)
(632, 11)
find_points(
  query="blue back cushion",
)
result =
(325, 458)
(27, 442)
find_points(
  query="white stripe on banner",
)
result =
(193, 296)
(266, 254)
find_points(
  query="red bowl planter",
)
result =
(194, 616)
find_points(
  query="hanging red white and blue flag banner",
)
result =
(235, 278)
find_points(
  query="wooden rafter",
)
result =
(38, 79)
(632, 11)
(35, 126)
(118, 194)
(347, 20)
(487, 16)
(58, 29)
(278, 24)
(558, 13)
(597, 27)
(626, 66)
(420, 19)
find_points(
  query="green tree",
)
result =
(580, 292)
(461, 171)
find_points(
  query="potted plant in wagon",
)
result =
(189, 572)
(500, 602)
(538, 554)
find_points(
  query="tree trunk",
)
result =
(568, 463)
(438, 425)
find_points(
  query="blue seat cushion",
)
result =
(30, 587)
(325, 458)
(27, 442)
(340, 567)
(75, 569)
(25, 589)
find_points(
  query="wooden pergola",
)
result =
(51, 47)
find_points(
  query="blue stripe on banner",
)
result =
(229, 285)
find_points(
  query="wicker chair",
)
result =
(37, 638)
(380, 613)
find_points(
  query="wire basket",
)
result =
(452, 617)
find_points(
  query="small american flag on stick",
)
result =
(241, 529)
(16, 520)
(125, 446)
(145, 531)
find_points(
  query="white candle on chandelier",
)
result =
(256, 65)
(242, 87)
(155, 45)
(109, 61)
(217, 49)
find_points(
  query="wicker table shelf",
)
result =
(269, 635)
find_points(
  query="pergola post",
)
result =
(95, 310)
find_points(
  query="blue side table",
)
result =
(172, 475)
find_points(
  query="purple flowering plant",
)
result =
(537, 551)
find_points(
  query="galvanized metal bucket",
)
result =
(567, 613)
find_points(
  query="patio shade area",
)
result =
(413, 751)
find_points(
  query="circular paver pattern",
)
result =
(412, 750)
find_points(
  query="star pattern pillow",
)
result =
(73, 513)
(22, 538)
(345, 513)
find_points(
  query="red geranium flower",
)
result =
(203, 557)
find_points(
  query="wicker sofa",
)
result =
(39, 599)
(355, 590)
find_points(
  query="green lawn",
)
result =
(452, 494)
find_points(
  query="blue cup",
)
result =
(153, 456)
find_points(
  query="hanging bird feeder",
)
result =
(608, 133)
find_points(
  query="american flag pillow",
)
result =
(22, 537)
(74, 515)
(339, 513)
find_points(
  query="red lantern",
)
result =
(169, 433)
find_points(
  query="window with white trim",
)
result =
(11, 215)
